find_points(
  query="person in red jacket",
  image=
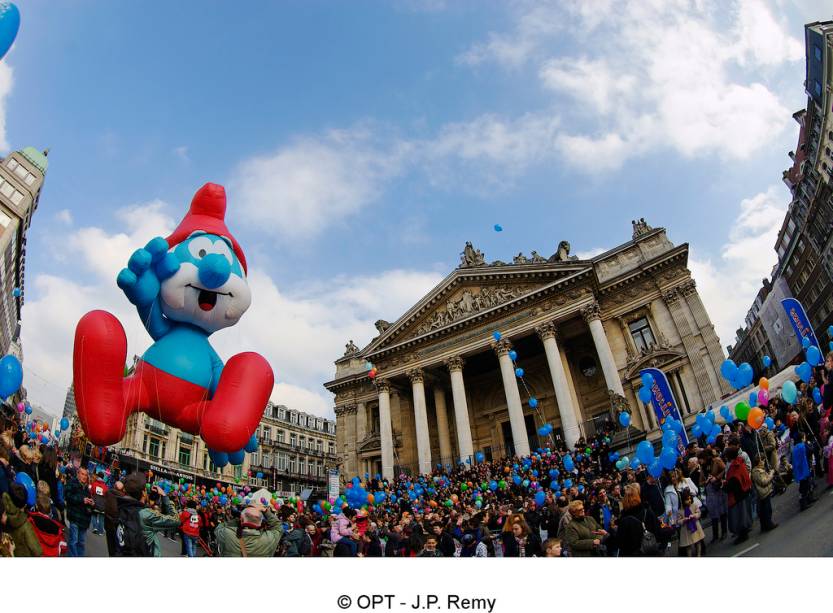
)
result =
(190, 523)
(98, 489)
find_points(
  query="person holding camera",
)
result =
(142, 515)
(256, 534)
(583, 535)
(80, 507)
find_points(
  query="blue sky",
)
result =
(362, 144)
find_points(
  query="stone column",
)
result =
(442, 425)
(421, 420)
(385, 429)
(611, 373)
(513, 397)
(361, 422)
(461, 408)
(567, 411)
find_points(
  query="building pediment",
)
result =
(469, 294)
(655, 356)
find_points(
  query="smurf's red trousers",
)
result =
(105, 397)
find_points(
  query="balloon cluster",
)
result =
(737, 376)
(645, 394)
(371, 370)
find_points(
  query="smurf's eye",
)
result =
(223, 249)
(199, 247)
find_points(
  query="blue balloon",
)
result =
(16, 292)
(753, 399)
(480, 457)
(223, 499)
(251, 446)
(655, 469)
(236, 458)
(716, 430)
(542, 431)
(711, 439)
(533, 402)
(64, 423)
(813, 356)
(830, 331)
(493, 485)
(767, 361)
(519, 372)
(9, 25)
(696, 431)
(789, 392)
(635, 463)
(28, 410)
(830, 345)
(647, 379)
(496, 335)
(816, 395)
(568, 483)
(645, 452)
(669, 439)
(624, 419)
(26, 481)
(498, 227)
(668, 458)
(805, 342)
(11, 372)
(513, 355)
(569, 466)
(745, 374)
(770, 423)
(645, 394)
(805, 371)
(526, 483)
(219, 458)
(728, 369)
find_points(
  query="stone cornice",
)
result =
(673, 257)
(563, 285)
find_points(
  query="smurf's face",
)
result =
(209, 290)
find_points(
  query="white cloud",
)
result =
(300, 332)
(6, 85)
(182, 153)
(728, 285)
(64, 216)
(315, 181)
(590, 253)
(652, 75)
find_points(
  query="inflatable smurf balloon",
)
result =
(185, 287)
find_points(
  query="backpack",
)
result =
(130, 538)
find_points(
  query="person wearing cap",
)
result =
(470, 547)
(15, 521)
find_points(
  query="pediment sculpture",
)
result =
(470, 303)
(471, 257)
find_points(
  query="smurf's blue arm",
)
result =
(154, 321)
(216, 371)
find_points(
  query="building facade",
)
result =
(805, 239)
(445, 389)
(22, 174)
(295, 451)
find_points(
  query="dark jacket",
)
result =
(651, 493)
(346, 548)
(6, 478)
(629, 533)
(446, 544)
(111, 507)
(26, 543)
(512, 550)
(297, 543)
(77, 511)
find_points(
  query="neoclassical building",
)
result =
(581, 330)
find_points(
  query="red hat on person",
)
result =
(208, 214)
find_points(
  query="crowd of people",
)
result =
(556, 502)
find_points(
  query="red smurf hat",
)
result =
(207, 213)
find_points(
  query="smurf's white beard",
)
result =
(180, 300)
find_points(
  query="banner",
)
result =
(664, 405)
(332, 484)
(799, 320)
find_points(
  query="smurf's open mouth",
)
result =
(206, 298)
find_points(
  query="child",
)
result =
(6, 545)
(691, 532)
(802, 472)
(552, 548)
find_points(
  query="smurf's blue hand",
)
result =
(146, 269)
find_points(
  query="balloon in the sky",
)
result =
(9, 25)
